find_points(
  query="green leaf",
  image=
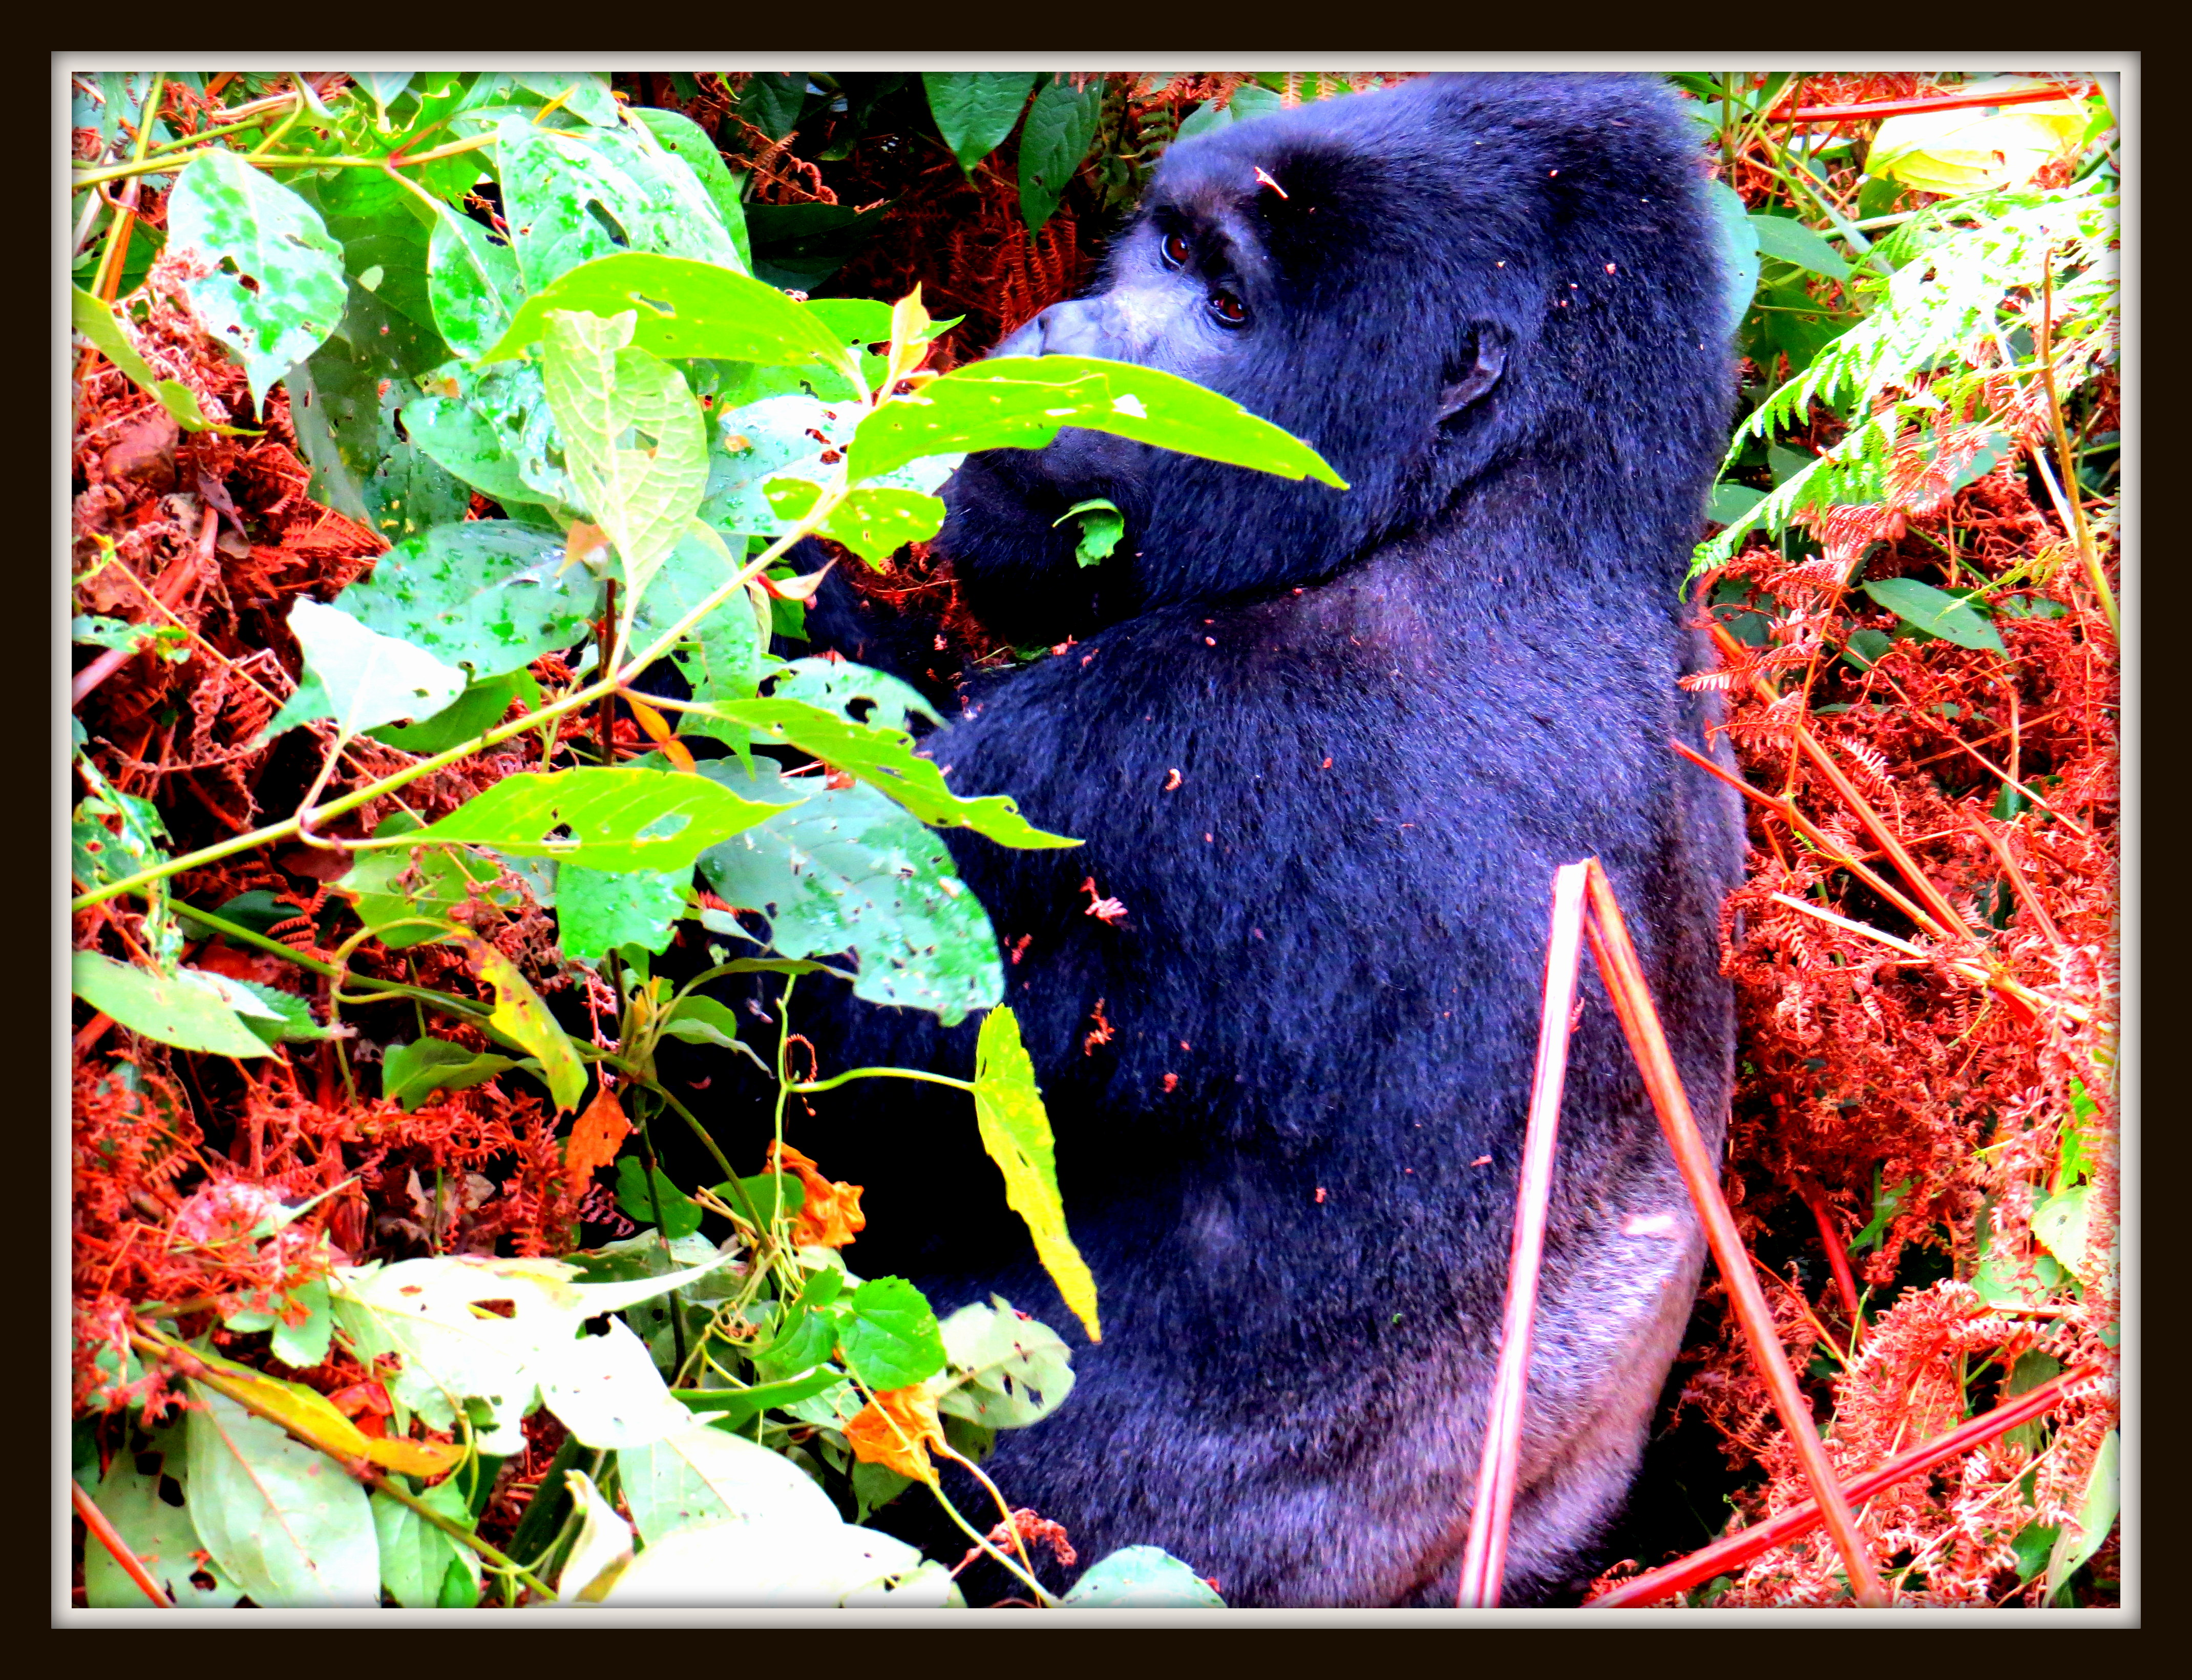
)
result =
(975, 109)
(771, 100)
(430, 883)
(1018, 1370)
(839, 686)
(2063, 1223)
(275, 287)
(471, 279)
(1730, 503)
(681, 1214)
(1060, 124)
(680, 136)
(876, 522)
(707, 1475)
(608, 1392)
(1794, 242)
(283, 1521)
(179, 1009)
(2097, 1515)
(620, 819)
(1102, 525)
(1016, 1132)
(1022, 402)
(415, 1555)
(570, 198)
(684, 309)
(634, 441)
(96, 322)
(1142, 1577)
(885, 759)
(890, 1339)
(159, 1534)
(171, 642)
(1864, 646)
(586, 94)
(734, 1410)
(488, 593)
(1937, 613)
(411, 1073)
(474, 711)
(596, 911)
(523, 1019)
(1738, 239)
(359, 676)
(846, 870)
(492, 427)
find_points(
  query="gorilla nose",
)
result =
(1062, 330)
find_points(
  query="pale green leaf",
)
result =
(608, 1392)
(1017, 1371)
(283, 1522)
(488, 593)
(471, 277)
(414, 1555)
(178, 1010)
(685, 310)
(359, 676)
(160, 1534)
(707, 1475)
(742, 1565)
(1142, 1577)
(620, 819)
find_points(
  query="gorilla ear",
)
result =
(1487, 360)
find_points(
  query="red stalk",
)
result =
(1640, 1021)
(1484, 1559)
(1837, 1258)
(1723, 1556)
(1843, 113)
(94, 1520)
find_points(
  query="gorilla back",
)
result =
(1327, 749)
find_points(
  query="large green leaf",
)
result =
(1016, 1132)
(1937, 613)
(492, 427)
(975, 109)
(884, 759)
(1018, 1369)
(1023, 401)
(359, 676)
(888, 1334)
(620, 819)
(596, 910)
(488, 593)
(1794, 242)
(471, 279)
(684, 309)
(1142, 1577)
(390, 887)
(159, 1534)
(281, 1519)
(275, 288)
(473, 712)
(571, 197)
(411, 1073)
(180, 1009)
(634, 441)
(1060, 124)
(706, 1475)
(680, 136)
(846, 870)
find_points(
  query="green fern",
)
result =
(1967, 274)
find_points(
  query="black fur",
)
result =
(1493, 302)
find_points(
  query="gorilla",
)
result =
(1326, 749)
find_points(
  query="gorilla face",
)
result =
(1422, 284)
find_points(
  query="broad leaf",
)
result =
(847, 869)
(756, 1565)
(1019, 1370)
(275, 287)
(283, 1521)
(1060, 124)
(636, 1199)
(683, 138)
(975, 109)
(412, 1073)
(620, 819)
(634, 441)
(1016, 1132)
(706, 1475)
(178, 1010)
(1794, 242)
(359, 676)
(1937, 613)
(159, 1534)
(596, 911)
(890, 1337)
(471, 277)
(415, 1555)
(393, 887)
(841, 686)
(472, 713)
(685, 310)
(608, 1392)
(488, 594)
(1142, 1577)
(571, 198)
(1023, 401)
(492, 427)
(522, 1018)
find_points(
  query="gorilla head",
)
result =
(1420, 283)
(1326, 749)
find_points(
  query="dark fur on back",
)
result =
(1393, 712)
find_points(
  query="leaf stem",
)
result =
(811, 1086)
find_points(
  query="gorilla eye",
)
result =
(1175, 251)
(1228, 309)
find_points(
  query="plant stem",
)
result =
(2070, 492)
(835, 1080)
(228, 930)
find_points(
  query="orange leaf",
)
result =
(832, 1212)
(652, 721)
(582, 540)
(598, 1133)
(895, 1429)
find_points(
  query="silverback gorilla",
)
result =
(1327, 749)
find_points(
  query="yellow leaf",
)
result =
(1016, 1132)
(415, 1458)
(521, 1016)
(1955, 152)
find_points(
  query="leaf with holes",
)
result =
(492, 427)
(596, 910)
(634, 441)
(359, 676)
(846, 870)
(1018, 1370)
(1023, 402)
(620, 819)
(276, 289)
(159, 1534)
(1016, 1132)
(570, 198)
(172, 1008)
(488, 593)
(685, 310)
(523, 1019)
(471, 279)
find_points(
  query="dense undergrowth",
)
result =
(364, 1124)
